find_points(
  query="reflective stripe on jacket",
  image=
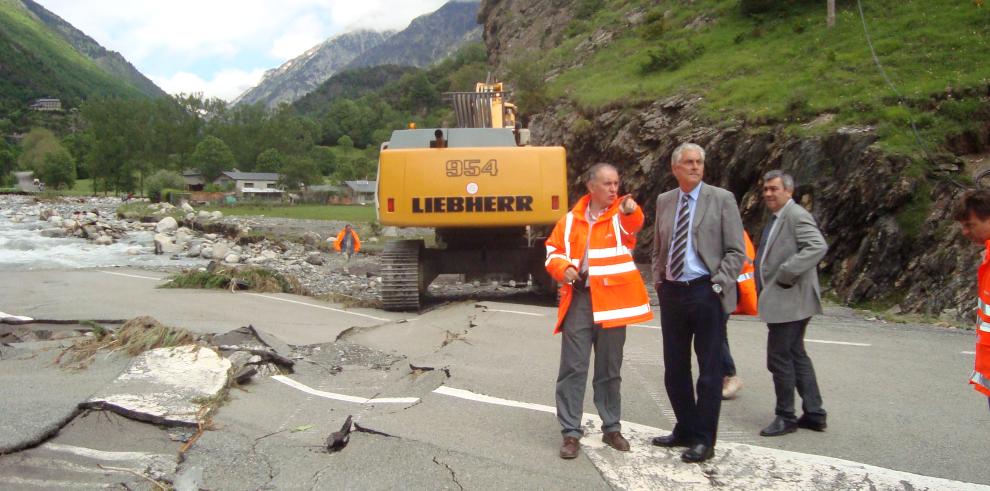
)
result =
(746, 283)
(981, 371)
(340, 240)
(618, 295)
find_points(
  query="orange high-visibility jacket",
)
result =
(340, 240)
(746, 283)
(618, 295)
(981, 372)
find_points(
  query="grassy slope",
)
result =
(38, 63)
(790, 67)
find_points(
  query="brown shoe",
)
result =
(731, 386)
(569, 449)
(615, 440)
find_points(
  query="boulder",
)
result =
(194, 250)
(232, 258)
(220, 250)
(203, 215)
(187, 207)
(206, 252)
(104, 240)
(216, 215)
(167, 225)
(315, 258)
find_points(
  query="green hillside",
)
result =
(768, 62)
(36, 62)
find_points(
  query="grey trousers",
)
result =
(580, 335)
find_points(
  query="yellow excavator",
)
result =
(483, 189)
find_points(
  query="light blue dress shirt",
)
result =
(693, 266)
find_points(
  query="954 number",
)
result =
(471, 168)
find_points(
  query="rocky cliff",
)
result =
(886, 218)
(428, 38)
(300, 75)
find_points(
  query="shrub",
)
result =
(160, 180)
(668, 57)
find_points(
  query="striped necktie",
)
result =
(679, 244)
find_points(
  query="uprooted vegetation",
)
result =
(134, 337)
(239, 278)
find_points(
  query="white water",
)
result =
(23, 248)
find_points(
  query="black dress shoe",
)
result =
(780, 426)
(698, 453)
(670, 440)
(812, 423)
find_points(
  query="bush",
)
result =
(161, 180)
(670, 56)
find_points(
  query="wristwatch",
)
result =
(717, 288)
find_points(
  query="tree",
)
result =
(212, 156)
(297, 171)
(163, 179)
(345, 141)
(269, 161)
(325, 159)
(58, 170)
(8, 161)
(36, 145)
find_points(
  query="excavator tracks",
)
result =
(401, 275)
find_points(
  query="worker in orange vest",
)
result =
(589, 251)
(347, 243)
(746, 292)
(973, 214)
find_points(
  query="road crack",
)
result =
(453, 476)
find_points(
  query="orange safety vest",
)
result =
(981, 371)
(618, 295)
(340, 240)
(746, 283)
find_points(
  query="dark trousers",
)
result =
(792, 369)
(728, 364)
(692, 313)
(580, 336)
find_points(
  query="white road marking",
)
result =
(133, 276)
(961, 352)
(4, 315)
(100, 454)
(735, 465)
(822, 341)
(342, 397)
(319, 307)
(515, 312)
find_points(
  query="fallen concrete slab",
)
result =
(170, 386)
(37, 397)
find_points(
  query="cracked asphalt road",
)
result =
(901, 415)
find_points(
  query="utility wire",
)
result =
(883, 73)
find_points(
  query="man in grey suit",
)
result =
(787, 279)
(698, 251)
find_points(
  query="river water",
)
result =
(23, 247)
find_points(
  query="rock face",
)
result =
(886, 218)
(300, 75)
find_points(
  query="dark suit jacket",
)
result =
(792, 256)
(717, 235)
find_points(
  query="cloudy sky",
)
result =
(222, 47)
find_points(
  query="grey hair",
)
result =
(676, 156)
(786, 179)
(594, 169)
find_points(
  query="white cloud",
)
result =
(218, 41)
(304, 33)
(225, 84)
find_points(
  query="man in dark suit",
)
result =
(698, 251)
(787, 278)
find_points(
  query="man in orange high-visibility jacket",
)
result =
(747, 305)
(348, 243)
(590, 252)
(973, 214)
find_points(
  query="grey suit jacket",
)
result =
(792, 257)
(717, 235)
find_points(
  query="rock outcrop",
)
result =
(887, 218)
